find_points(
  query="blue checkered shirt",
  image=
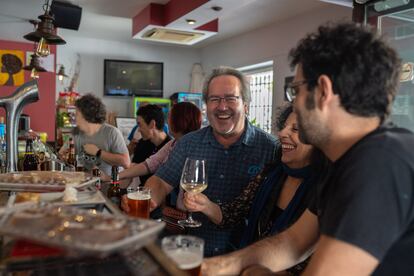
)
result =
(228, 172)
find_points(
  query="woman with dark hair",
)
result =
(184, 117)
(278, 195)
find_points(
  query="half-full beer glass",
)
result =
(139, 199)
(185, 251)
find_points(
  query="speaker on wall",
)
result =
(67, 15)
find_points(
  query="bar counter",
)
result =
(21, 257)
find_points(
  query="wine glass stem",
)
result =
(190, 216)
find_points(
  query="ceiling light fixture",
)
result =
(216, 8)
(190, 21)
(45, 29)
(43, 49)
(34, 66)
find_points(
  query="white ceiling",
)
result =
(111, 19)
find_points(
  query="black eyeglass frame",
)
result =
(290, 89)
(226, 99)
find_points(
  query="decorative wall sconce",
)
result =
(61, 73)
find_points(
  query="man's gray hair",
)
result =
(228, 71)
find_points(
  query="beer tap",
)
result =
(25, 94)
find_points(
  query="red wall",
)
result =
(42, 113)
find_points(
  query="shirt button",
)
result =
(226, 152)
(216, 249)
(221, 176)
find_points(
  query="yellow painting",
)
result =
(11, 64)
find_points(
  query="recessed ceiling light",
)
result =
(190, 21)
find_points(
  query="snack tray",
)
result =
(44, 187)
(87, 197)
(77, 230)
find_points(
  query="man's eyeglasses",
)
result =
(291, 89)
(227, 99)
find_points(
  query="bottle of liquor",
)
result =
(114, 191)
(71, 156)
(3, 147)
(30, 161)
(3, 154)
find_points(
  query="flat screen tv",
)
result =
(133, 78)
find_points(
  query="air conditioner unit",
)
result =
(168, 35)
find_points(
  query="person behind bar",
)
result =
(97, 143)
(362, 222)
(278, 195)
(150, 119)
(234, 150)
(135, 135)
(183, 118)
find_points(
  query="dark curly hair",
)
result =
(282, 113)
(151, 112)
(363, 69)
(92, 109)
(319, 162)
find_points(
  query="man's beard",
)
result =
(311, 131)
(303, 130)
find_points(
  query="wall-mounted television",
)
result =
(133, 78)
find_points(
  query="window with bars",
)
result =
(261, 89)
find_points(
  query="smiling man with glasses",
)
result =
(234, 150)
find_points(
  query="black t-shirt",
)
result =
(143, 150)
(368, 200)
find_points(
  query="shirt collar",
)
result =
(246, 138)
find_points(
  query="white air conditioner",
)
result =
(174, 36)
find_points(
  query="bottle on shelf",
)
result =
(71, 155)
(3, 154)
(114, 191)
(30, 161)
(3, 147)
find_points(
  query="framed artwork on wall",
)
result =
(11, 65)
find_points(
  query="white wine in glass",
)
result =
(193, 180)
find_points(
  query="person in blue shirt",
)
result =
(234, 150)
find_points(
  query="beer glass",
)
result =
(193, 180)
(139, 199)
(185, 251)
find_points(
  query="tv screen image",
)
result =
(138, 78)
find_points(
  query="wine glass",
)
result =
(193, 180)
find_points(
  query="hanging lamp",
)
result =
(45, 29)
